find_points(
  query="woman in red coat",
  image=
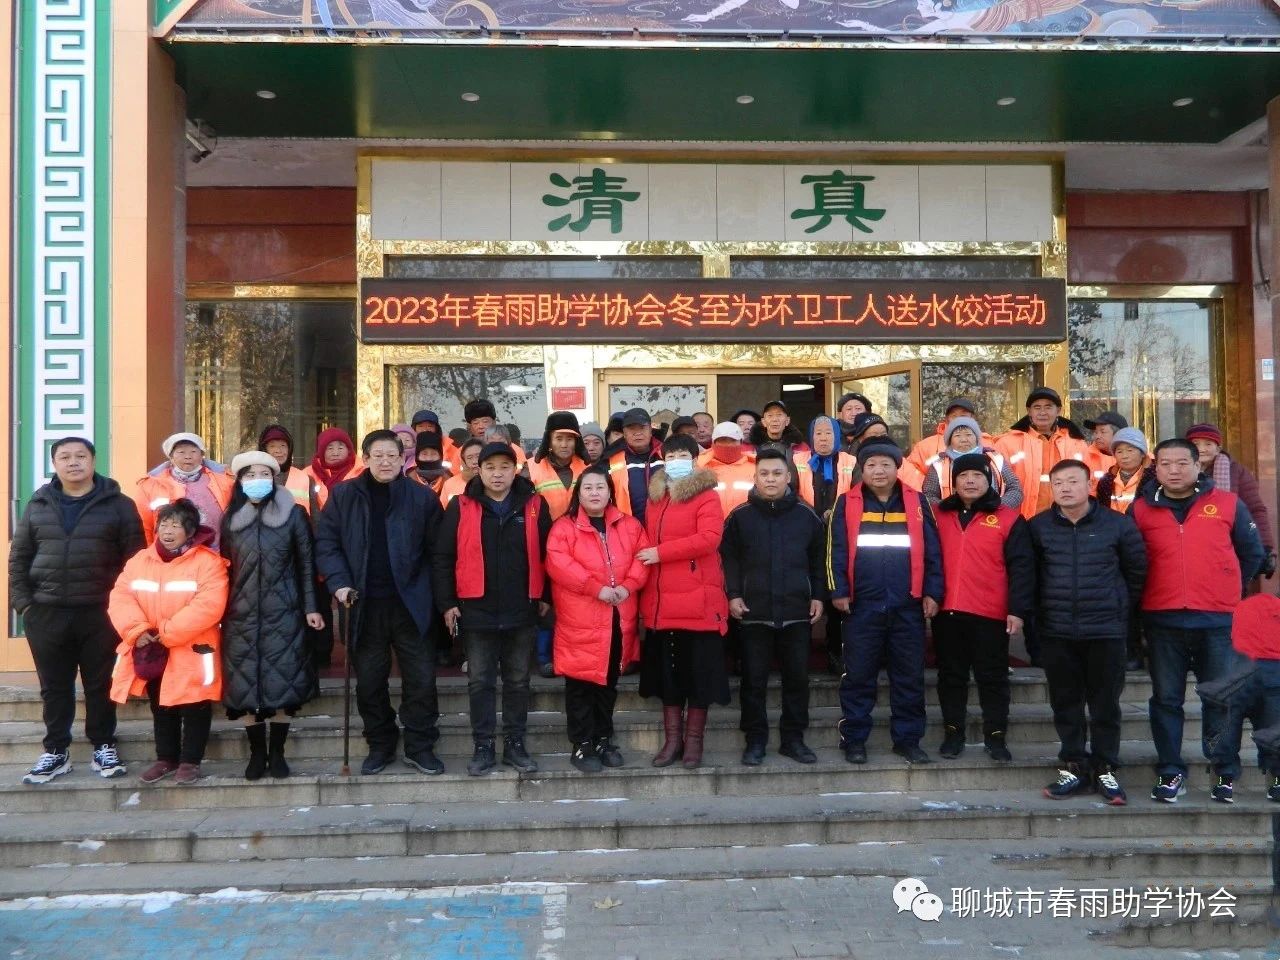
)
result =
(595, 581)
(684, 607)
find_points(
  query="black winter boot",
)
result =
(275, 750)
(257, 736)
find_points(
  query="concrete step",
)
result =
(475, 826)
(640, 731)
(22, 702)
(1240, 857)
(319, 783)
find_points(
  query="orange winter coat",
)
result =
(182, 602)
(1033, 456)
(1099, 464)
(733, 480)
(156, 491)
(580, 563)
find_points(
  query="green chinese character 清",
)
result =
(601, 198)
(838, 195)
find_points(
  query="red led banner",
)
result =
(769, 311)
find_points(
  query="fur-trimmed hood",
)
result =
(684, 489)
(273, 513)
(1024, 425)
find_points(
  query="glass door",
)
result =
(666, 394)
(894, 392)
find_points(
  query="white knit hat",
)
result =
(251, 458)
(172, 441)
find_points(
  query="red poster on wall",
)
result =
(568, 398)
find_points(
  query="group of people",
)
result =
(663, 550)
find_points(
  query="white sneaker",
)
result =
(49, 765)
(107, 762)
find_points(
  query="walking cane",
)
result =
(344, 626)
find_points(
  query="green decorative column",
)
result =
(62, 235)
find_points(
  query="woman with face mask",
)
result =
(267, 662)
(684, 607)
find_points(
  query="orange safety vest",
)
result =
(1032, 457)
(845, 464)
(306, 492)
(453, 487)
(941, 468)
(155, 492)
(621, 488)
(322, 492)
(182, 602)
(1124, 492)
(548, 485)
(733, 480)
(1098, 463)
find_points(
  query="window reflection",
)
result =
(998, 391)
(249, 363)
(518, 392)
(1149, 359)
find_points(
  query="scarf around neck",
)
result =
(827, 464)
(1222, 472)
(186, 476)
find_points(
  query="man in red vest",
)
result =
(990, 576)
(491, 587)
(884, 569)
(1203, 548)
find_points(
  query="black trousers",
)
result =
(964, 642)
(182, 732)
(386, 625)
(487, 652)
(834, 637)
(1086, 673)
(588, 706)
(64, 641)
(759, 641)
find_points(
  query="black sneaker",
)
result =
(547, 670)
(1169, 787)
(1069, 783)
(1273, 791)
(376, 762)
(424, 761)
(952, 743)
(994, 744)
(798, 751)
(753, 755)
(1134, 665)
(1224, 790)
(107, 762)
(1110, 790)
(515, 755)
(911, 753)
(49, 765)
(608, 753)
(483, 760)
(855, 753)
(585, 759)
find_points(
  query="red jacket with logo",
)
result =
(975, 559)
(1191, 565)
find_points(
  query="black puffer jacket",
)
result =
(506, 604)
(791, 442)
(774, 558)
(1089, 574)
(49, 566)
(267, 664)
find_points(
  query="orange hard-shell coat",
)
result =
(581, 563)
(182, 602)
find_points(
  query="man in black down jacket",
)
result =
(490, 586)
(374, 538)
(70, 545)
(1091, 566)
(774, 557)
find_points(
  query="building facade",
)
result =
(228, 213)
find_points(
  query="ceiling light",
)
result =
(470, 97)
(518, 388)
(745, 98)
(267, 94)
(1184, 102)
(796, 387)
(1006, 101)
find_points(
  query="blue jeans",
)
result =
(1259, 702)
(1174, 652)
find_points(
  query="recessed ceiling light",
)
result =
(745, 98)
(267, 94)
(1184, 101)
(1006, 101)
(470, 97)
(796, 387)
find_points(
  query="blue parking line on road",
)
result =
(420, 927)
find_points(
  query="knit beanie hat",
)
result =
(863, 421)
(1133, 437)
(1202, 431)
(879, 447)
(959, 422)
(592, 429)
(973, 461)
(427, 440)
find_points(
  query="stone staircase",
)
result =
(318, 829)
